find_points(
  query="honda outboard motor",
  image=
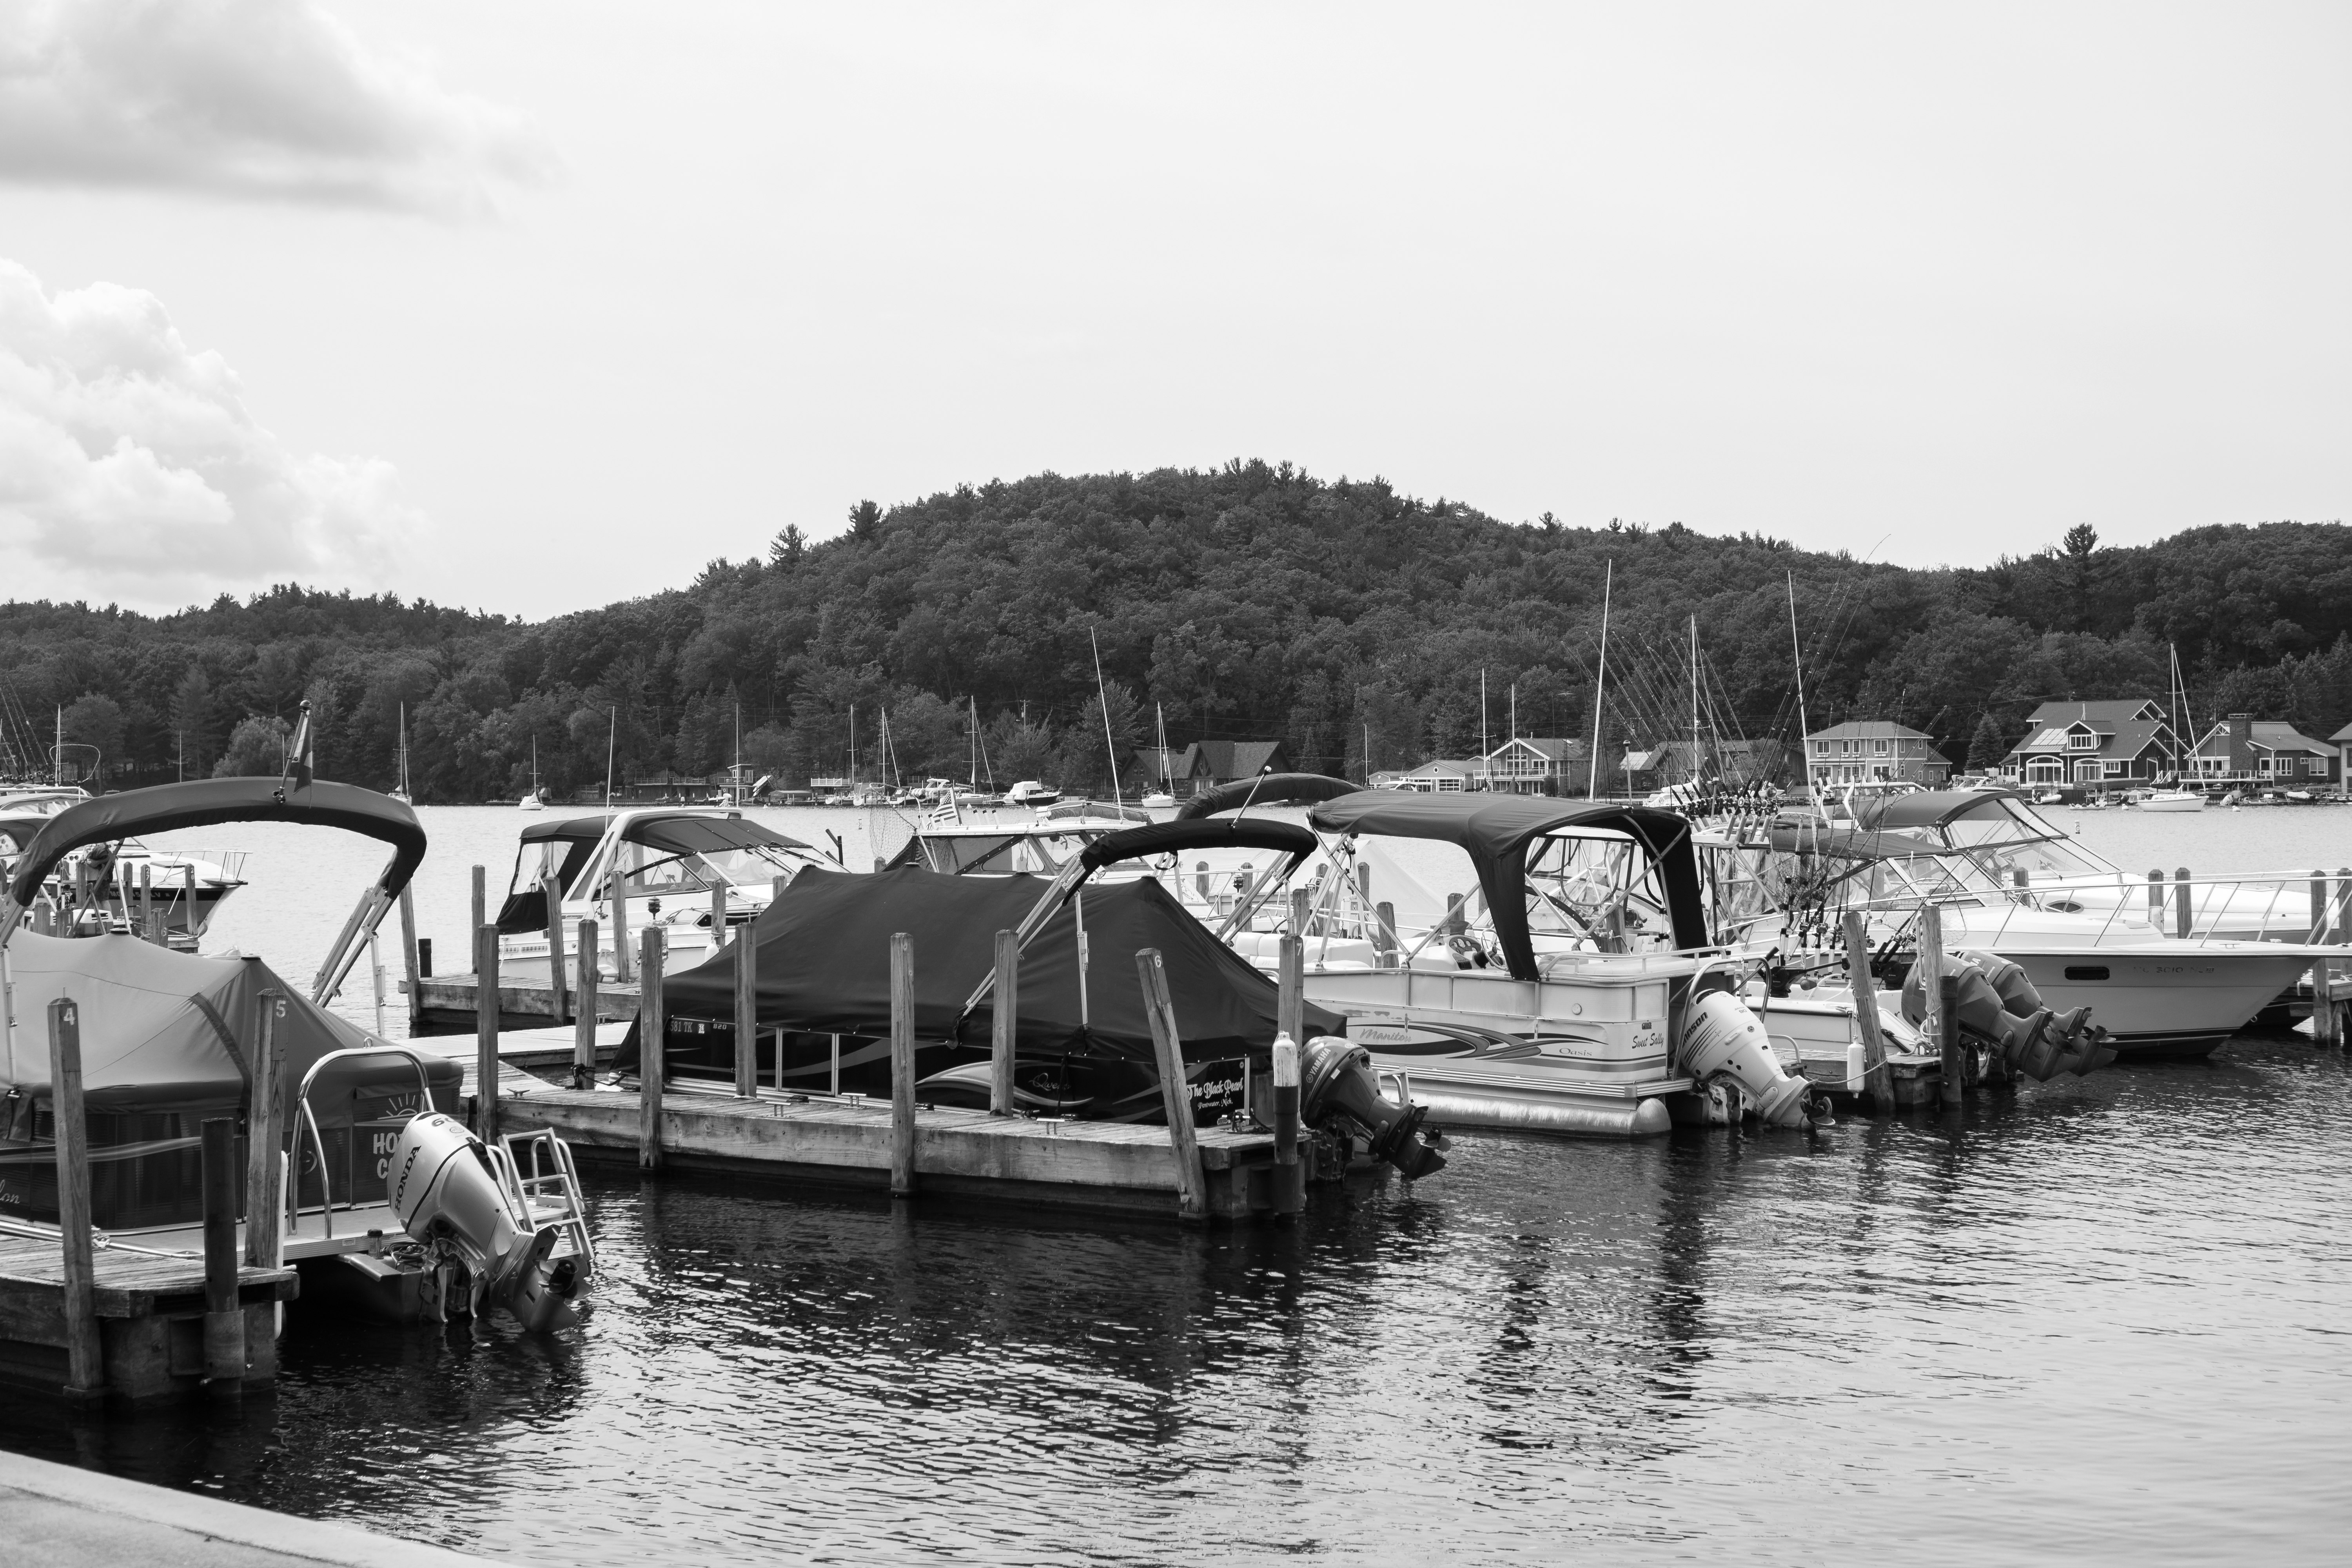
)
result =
(1337, 1078)
(447, 1195)
(1999, 1007)
(1722, 1038)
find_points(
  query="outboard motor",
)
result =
(1335, 1078)
(447, 1195)
(1722, 1037)
(2000, 1007)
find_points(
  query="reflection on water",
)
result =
(2102, 1320)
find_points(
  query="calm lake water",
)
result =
(2102, 1320)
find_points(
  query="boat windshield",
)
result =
(1596, 894)
(1040, 853)
(746, 866)
(2003, 835)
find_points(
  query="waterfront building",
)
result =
(1532, 765)
(2342, 740)
(2244, 750)
(2125, 741)
(1205, 764)
(1872, 751)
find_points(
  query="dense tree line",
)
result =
(1247, 600)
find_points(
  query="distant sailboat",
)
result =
(532, 802)
(400, 791)
(1165, 795)
(2180, 798)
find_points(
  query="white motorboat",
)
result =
(668, 867)
(2156, 994)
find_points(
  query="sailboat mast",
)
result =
(1599, 683)
(852, 749)
(1797, 652)
(612, 740)
(1110, 747)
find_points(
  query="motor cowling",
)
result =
(445, 1194)
(1335, 1078)
(1721, 1038)
(1999, 1007)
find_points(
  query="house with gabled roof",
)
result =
(1531, 765)
(2342, 742)
(1867, 750)
(1205, 764)
(2242, 749)
(2124, 741)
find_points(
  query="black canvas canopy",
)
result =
(203, 803)
(1496, 830)
(823, 966)
(1171, 837)
(174, 1032)
(1851, 843)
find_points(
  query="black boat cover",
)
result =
(824, 967)
(1274, 789)
(1496, 830)
(203, 803)
(670, 833)
(174, 1032)
(1168, 837)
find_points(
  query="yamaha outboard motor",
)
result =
(1721, 1038)
(1999, 1008)
(447, 1195)
(1335, 1078)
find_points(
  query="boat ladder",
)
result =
(541, 1177)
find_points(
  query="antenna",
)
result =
(1102, 699)
(1600, 681)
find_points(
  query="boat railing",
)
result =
(2312, 907)
(308, 1124)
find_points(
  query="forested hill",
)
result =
(1247, 601)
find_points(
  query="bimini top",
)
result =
(823, 966)
(1171, 838)
(164, 1031)
(1935, 807)
(667, 833)
(205, 802)
(1496, 830)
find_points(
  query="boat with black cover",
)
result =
(168, 1041)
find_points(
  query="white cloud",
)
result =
(269, 99)
(131, 471)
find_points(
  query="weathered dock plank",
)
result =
(1116, 1167)
(151, 1318)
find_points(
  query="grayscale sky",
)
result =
(533, 306)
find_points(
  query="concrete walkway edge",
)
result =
(122, 1520)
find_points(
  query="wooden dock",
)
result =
(447, 1003)
(150, 1316)
(1105, 1167)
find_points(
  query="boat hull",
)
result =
(2163, 1005)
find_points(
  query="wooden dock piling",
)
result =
(1175, 1089)
(1950, 1068)
(86, 1367)
(485, 1034)
(652, 1061)
(623, 955)
(2184, 903)
(902, 1066)
(583, 1028)
(718, 917)
(1289, 1175)
(747, 1015)
(411, 961)
(1876, 1080)
(1291, 970)
(264, 1130)
(553, 892)
(1004, 1027)
(224, 1313)
(482, 900)
(1385, 944)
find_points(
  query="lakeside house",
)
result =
(2245, 750)
(1733, 764)
(1868, 751)
(1525, 764)
(2128, 739)
(1205, 764)
(2342, 740)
